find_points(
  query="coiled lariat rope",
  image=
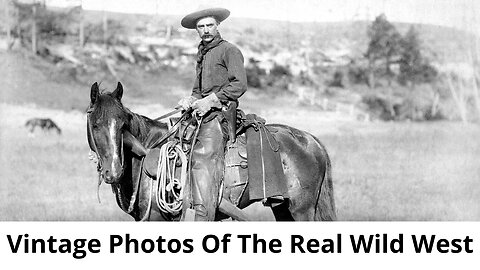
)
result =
(168, 188)
(167, 184)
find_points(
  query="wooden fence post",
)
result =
(81, 30)
(34, 28)
(7, 23)
(105, 28)
(352, 110)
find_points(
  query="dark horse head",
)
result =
(106, 119)
(120, 139)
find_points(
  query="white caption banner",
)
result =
(236, 245)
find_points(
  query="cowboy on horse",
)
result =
(288, 169)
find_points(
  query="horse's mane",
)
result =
(137, 124)
(146, 129)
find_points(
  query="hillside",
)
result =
(444, 42)
(31, 79)
(154, 58)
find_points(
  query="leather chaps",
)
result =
(207, 168)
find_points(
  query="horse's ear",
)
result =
(118, 93)
(94, 93)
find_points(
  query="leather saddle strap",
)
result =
(171, 131)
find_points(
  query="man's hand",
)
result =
(186, 102)
(202, 106)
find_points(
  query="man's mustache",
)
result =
(207, 36)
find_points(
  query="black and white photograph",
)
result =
(156, 110)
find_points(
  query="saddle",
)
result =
(252, 160)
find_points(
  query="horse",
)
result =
(45, 124)
(110, 125)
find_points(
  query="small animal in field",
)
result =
(45, 124)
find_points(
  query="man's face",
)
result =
(207, 29)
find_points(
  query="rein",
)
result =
(168, 114)
(172, 130)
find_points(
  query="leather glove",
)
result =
(202, 106)
(186, 102)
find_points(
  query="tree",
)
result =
(384, 45)
(414, 67)
(8, 20)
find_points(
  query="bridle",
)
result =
(159, 141)
(92, 144)
(91, 140)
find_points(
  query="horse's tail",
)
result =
(325, 209)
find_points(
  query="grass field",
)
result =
(49, 177)
(382, 171)
(407, 172)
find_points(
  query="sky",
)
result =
(462, 14)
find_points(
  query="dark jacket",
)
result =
(223, 73)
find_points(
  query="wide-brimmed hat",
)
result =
(190, 21)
